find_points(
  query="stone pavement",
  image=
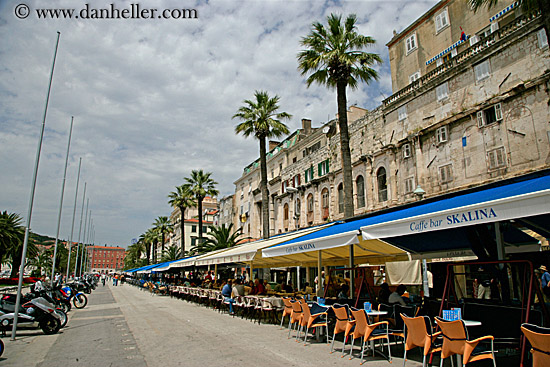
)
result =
(124, 326)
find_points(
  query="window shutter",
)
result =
(492, 159)
(498, 112)
(480, 119)
(473, 40)
(494, 27)
(319, 169)
(543, 38)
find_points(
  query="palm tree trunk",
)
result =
(263, 187)
(344, 148)
(162, 244)
(148, 253)
(199, 202)
(182, 228)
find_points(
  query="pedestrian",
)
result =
(545, 283)
(103, 279)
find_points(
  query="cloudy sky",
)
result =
(153, 99)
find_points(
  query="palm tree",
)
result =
(133, 257)
(12, 232)
(527, 7)
(220, 237)
(334, 57)
(163, 227)
(171, 253)
(182, 199)
(148, 238)
(261, 120)
(201, 185)
(42, 261)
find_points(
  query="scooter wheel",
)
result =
(63, 316)
(80, 300)
(50, 325)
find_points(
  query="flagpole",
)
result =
(31, 200)
(61, 201)
(74, 214)
(80, 230)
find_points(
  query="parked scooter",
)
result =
(36, 310)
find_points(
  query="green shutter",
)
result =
(319, 169)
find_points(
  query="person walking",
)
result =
(545, 283)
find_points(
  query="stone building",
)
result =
(105, 259)
(469, 106)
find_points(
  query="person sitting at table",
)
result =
(248, 288)
(238, 288)
(280, 286)
(267, 286)
(258, 289)
(384, 293)
(396, 297)
(307, 288)
(344, 290)
(226, 292)
(288, 288)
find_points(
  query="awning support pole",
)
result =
(425, 278)
(320, 290)
(251, 271)
(351, 273)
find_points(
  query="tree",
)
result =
(220, 237)
(12, 236)
(171, 253)
(261, 120)
(133, 256)
(527, 7)
(201, 185)
(148, 238)
(42, 261)
(163, 227)
(334, 57)
(182, 199)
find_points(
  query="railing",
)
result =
(463, 56)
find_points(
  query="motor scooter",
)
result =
(35, 310)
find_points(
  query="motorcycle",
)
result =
(35, 310)
(70, 292)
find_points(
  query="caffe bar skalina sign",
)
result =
(451, 220)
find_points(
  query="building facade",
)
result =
(105, 259)
(470, 106)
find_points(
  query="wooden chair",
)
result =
(312, 321)
(455, 341)
(539, 338)
(342, 318)
(287, 310)
(369, 332)
(419, 333)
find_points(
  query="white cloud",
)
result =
(153, 99)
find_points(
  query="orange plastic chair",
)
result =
(295, 317)
(455, 341)
(287, 310)
(312, 321)
(418, 335)
(369, 332)
(539, 338)
(342, 318)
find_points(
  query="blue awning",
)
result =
(518, 199)
(503, 11)
(447, 50)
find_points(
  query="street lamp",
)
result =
(419, 192)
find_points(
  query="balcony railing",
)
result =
(479, 47)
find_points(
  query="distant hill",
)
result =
(41, 240)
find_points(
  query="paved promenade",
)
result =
(123, 326)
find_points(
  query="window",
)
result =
(402, 113)
(496, 158)
(406, 150)
(474, 39)
(284, 185)
(382, 185)
(411, 43)
(414, 77)
(441, 134)
(441, 20)
(445, 173)
(340, 198)
(309, 174)
(439, 62)
(489, 115)
(482, 70)
(310, 203)
(324, 198)
(360, 185)
(194, 229)
(323, 167)
(543, 38)
(442, 91)
(409, 185)
(296, 181)
(494, 27)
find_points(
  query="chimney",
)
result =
(273, 144)
(306, 126)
